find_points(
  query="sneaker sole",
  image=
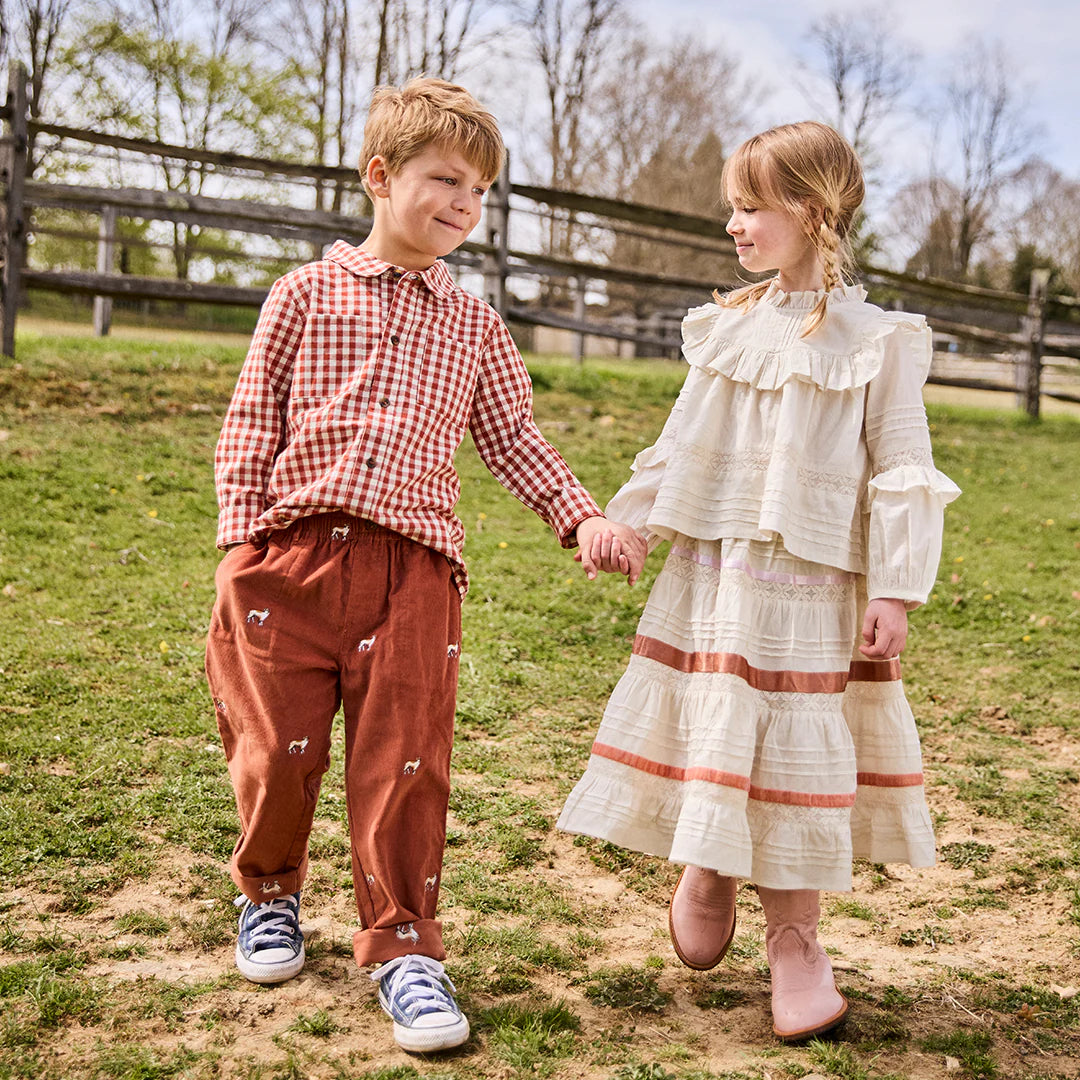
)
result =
(428, 1040)
(268, 974)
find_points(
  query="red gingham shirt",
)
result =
(358, 387)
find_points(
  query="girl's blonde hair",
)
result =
(811, 171)
(403, 121)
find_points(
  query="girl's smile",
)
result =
(775, 239)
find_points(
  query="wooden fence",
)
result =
(1025, 345)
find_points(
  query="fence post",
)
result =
(497, 225)
(579, 286)
(1033, 327)
(106, 244)
(13, 176)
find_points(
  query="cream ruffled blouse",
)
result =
(821, 440)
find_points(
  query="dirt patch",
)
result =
(935, 938)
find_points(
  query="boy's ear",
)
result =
(378, 177)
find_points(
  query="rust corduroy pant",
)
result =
(336, 611)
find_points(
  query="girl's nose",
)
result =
(731, 228)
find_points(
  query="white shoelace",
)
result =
(416, 984)
(271, 924)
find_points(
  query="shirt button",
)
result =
(394, 339)
(414, 277)
(384, 402)
(370, 463)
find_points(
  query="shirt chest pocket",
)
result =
(330, 359)
(444, 377)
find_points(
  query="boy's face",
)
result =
(424, 210)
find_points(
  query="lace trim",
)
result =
(915, 455)
(720, 464)
(682, 682)
(688, 570)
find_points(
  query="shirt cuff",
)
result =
(234, 522)
(569, 508)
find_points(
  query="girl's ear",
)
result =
(815, 215)
(378, 177)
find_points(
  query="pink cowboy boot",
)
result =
(805, 1001)
(701, 917)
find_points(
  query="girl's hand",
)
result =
(610, 546)
(884, 629)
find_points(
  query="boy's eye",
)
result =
(479, 191)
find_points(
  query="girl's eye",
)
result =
(480, 191)
(448, 180)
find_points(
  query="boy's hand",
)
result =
(884, 629)
(610, 546)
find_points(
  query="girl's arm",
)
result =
(907, 494)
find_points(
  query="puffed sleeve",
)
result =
(907, 494)
(633, 502)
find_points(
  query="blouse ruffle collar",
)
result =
(762, 347)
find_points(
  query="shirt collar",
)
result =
(357, 261)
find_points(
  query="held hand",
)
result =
(884, 629)
(609, 546)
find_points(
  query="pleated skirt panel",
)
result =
(749, 735)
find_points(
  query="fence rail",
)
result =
(1024, 333)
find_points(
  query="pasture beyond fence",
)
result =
(984, 339)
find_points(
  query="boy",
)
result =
(344, 577)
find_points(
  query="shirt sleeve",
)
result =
(253, 432)
(632, 504)
(907, 494)
(511, 446)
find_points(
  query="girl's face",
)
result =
(774, 240)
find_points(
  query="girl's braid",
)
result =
(827, 241)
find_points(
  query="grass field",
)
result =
(116, 817)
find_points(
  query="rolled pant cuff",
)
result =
(423, 937)
(261, 890)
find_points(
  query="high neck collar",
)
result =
(806, 301)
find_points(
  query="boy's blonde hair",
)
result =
(811, 171)
(403, 121)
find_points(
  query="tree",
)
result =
(683, 95)
(143, 76)
(864, 69)
(31, 31)
(426, 37)
(314, 42)
(985, 120)
(570, 43)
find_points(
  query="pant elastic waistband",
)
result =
(336, 526)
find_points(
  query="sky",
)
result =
(1039, 37)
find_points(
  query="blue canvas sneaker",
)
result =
(270, 948)
(417, 993)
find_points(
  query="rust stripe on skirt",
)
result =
(727, 779)
(800, 682)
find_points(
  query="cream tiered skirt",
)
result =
(749, 735)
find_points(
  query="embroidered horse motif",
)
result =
(259, 617)
(411, 767)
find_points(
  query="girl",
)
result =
(760, 730)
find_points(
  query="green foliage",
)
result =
(971, 1048)
(532, 1036)
(966, 853)
(113, 768)
(627, 987)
